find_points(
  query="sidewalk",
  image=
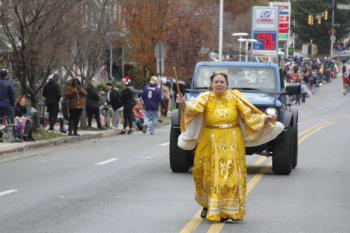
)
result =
(6, 148)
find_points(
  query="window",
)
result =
(262, 78)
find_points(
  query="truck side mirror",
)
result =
(182, 86)
(293, 89)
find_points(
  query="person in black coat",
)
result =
(92, 106)
(52, 93)
(128, 102)
(113, 99)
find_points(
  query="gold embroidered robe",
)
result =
(219, 169)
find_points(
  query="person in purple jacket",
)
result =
(152, 97)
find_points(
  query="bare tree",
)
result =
(95, 29)
(188, 34)
(36, 32)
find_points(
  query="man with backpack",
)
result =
(113, 99)
(52, 93)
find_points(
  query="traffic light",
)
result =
(319, 19)
(326, 15)
(310, 20)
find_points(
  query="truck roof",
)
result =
(237, 63)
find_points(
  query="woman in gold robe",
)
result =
(219, 168)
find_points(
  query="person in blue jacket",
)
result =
(152, 97)
(7, 98)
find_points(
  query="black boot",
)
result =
(204, 212)
(122, 132)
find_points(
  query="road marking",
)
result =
(308, 134)
(144, 157)
(217, 227)
(312, 128)
(164, 144)
(192, 225)
(106, 161)
(8, 192)
(196, 219)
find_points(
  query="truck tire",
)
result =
(282, 155)
(295, 147)
(179, 159)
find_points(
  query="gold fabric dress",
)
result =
(220, 165)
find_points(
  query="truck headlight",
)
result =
(271, 112)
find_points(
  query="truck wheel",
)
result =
(295, 148)
(282, 155)
(179, 159)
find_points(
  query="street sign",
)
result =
(264, 30)
(264, 18)
(284, 9)
(343, 6)
(160, 54)
(160, 66)
(160, 50)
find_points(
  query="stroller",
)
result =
(7, 130)
(346, 83)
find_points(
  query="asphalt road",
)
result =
(123, 184)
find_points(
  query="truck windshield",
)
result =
(248, 78)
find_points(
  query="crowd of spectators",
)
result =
(310, 73)
(342, 46)
(109, 108)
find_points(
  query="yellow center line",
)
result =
(312, 128)
(192, 225)
(307, 135)
(217, 227)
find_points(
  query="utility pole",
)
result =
(221, 28)
(332, 30)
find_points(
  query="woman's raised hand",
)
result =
(271, 118)
(180, 99)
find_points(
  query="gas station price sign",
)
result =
(267, 40)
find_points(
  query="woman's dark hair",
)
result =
(219, 73)
(75, 82)
(3, 73)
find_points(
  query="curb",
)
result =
(24, 146)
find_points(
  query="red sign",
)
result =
(283, 30)
(283, 19)
(267, 40)
(283, 25)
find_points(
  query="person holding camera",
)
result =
(76, 95)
